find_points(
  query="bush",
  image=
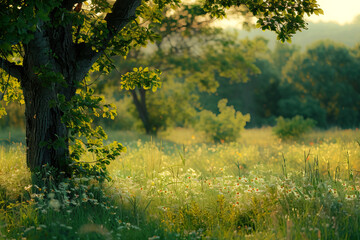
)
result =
(292, 128)
(224, 127)
(308, 107)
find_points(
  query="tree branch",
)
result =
(69, 4)
(123, 11)
(12, 69)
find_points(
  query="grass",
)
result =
(179, 186)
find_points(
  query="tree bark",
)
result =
(46, 135)
(141, 108)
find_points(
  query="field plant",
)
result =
(293, 128)
(255, 188)
(224, 127)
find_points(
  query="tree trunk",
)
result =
(46, 136)
(142, 109)
(49, 70)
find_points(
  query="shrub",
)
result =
(224, 127)
(293, 128)
(308, 107)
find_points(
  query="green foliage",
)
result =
(292, 128)
(11, 95)
(141, 78)
(319, 83)
(326, 76)
(78, 117)
(226, 56)
(19, 21)
(282, 17)
(10, 91)
(308, 107)
(174, 105)
(257, 92)
(224, 127)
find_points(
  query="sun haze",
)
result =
(342, 12)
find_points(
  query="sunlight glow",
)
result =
(342, 12)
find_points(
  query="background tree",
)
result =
(179, 34)
(323, 84)
(257, 96)
(48, 48)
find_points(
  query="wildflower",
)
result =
(163, 208)
(55, 204)
(350, 197)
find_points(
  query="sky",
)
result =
(340, 11)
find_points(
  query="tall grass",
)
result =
(180, 186)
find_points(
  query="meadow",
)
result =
(181, 186)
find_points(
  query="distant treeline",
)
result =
(348, 34)
(321, 82)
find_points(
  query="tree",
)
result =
(178, 33)
(190, 68)
(259, 95)
(323, 84)
(48, 48)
